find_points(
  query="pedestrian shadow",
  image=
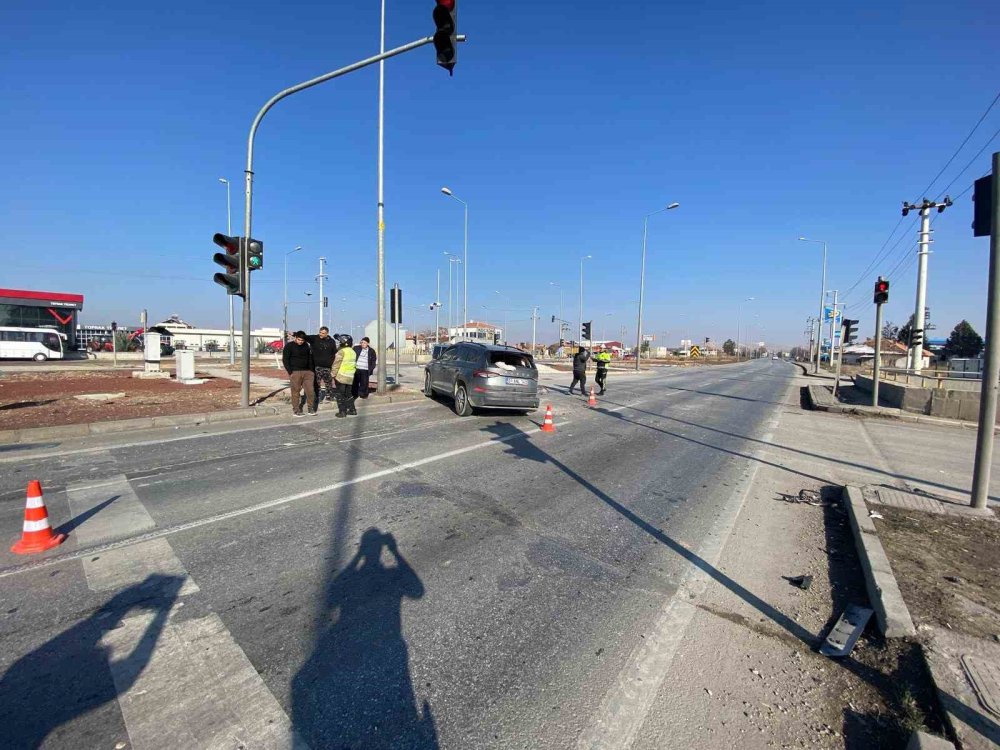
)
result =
(355, 690)
(68, 676)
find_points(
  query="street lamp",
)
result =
(579, 330)
(822, 297)
(559, 287)
(642, 280)
(465, 284)
(284, 315)
(232, 319)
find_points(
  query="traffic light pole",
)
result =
(248, 214)
(991, 364)
(876, 367)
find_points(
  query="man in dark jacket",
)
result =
(324, 349)
(298, 360)
(580, 371)
(367, 359)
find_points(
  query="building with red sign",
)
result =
(28, 309)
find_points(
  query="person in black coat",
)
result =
(580, 371)
(298, 360)
(367, 359)
(324, 350)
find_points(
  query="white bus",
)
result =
(38, 344)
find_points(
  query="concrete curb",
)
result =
(926, 741)
(893, 617)
(821, 399)
(62, 432)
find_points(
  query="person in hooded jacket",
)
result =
(580, 371)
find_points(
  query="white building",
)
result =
(476, 330)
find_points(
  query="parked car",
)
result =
(483, 376)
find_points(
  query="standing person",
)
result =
(367, 359)
(324, 349)
(580, 371)
(297, 357)
(344, 367)
(602, 358)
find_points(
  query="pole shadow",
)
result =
(68, 676)
(355, 690)
(77, 521)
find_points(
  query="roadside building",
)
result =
(475, 330)
(24, 308)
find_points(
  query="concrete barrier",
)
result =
(950, 403)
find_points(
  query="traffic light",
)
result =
(586, 330)
(230, 260)
(496, 336)
(255, 255)
(916, 338)
(982, 206)
(445, 36)
(850, 331)
(881, 291)
(553, 318)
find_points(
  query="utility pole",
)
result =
(437, 310)
(923, 250)
(380, 250)
(833, 323)
(991, 361)
(534, 321)
(398, 318)
(322, 299)
(881, 296)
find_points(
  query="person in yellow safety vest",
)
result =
(344, 366)
(602, 358)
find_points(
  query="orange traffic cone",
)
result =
(37, 535)
(547, 425)
(593, 398)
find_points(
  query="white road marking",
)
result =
(188, 684)
(627, 702)
(115, 508)
(130, 566)
(26, 456)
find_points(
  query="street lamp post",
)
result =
(822, 297)
(559, 287)
(642, 281)
(739, 311)
(579, 329)
(284, 315)
(465, 261)
(232, 316)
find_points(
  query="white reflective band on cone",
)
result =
(36, 525)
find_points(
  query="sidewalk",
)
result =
(747, 673)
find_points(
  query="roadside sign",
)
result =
(695, 351)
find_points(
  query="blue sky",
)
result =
(565, 123)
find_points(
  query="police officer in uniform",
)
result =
(344, 367)
(602, 358)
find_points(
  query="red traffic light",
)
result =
(881, 291)
(448, 5)
(881, 286)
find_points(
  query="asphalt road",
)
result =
(401, 579)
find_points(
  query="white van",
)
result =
(38, 344)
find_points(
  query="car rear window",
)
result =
(511, 359)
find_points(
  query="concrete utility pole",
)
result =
(437, 310)
(322, 299)
(579, 330)
(534, 321)
(917, 339)
(833, 323)
(991, 363)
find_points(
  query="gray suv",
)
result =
(483, 376)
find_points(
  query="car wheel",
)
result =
(39, 357)
(428, 390)
(462, 406)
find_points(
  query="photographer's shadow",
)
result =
(355, 690)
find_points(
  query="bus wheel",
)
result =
(39, 357)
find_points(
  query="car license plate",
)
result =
(516, 381)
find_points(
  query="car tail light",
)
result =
(485, 374)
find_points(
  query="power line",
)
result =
(961, 146)
(971, 161)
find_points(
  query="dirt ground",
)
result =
(947, 568)
(47, 399)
